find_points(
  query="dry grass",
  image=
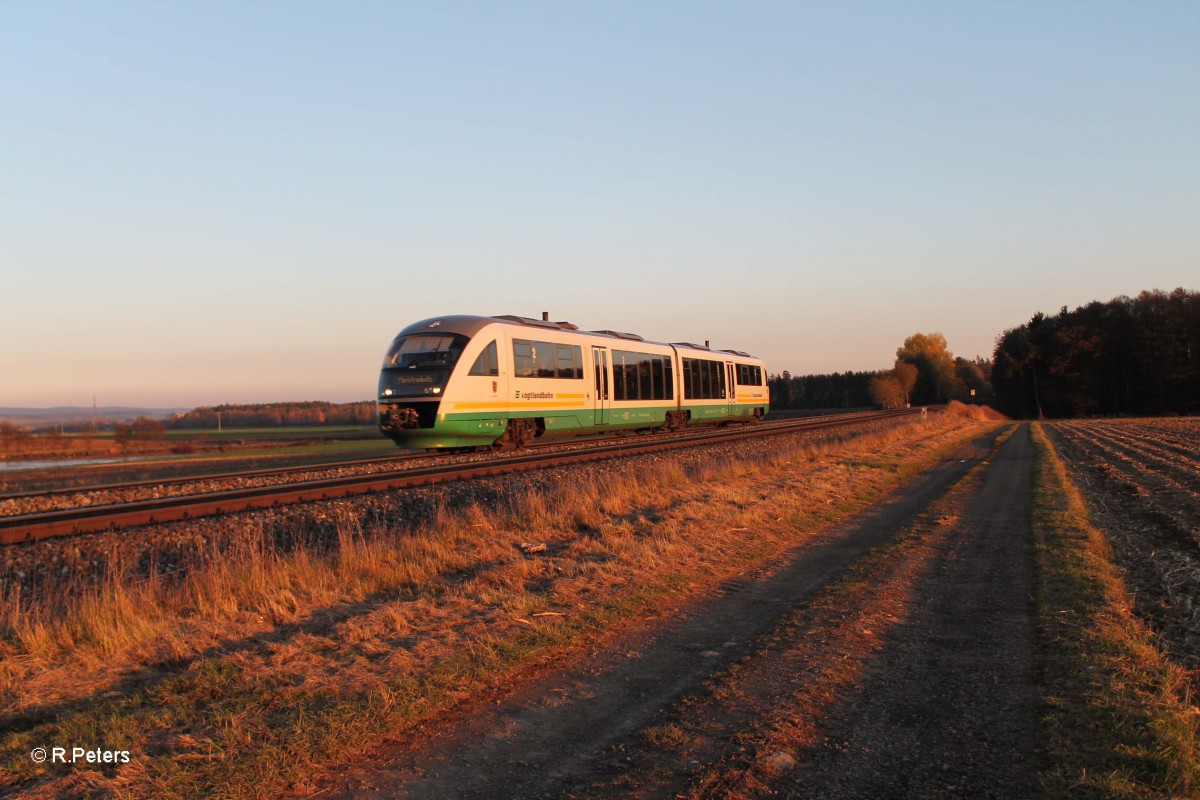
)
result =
(1118, 715)
(978, 413)
(249, 673)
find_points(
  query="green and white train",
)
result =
(473, 382)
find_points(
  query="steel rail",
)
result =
(213, 476)
(93, 519)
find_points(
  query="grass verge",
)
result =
(1117, 715)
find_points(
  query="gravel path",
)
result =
(950, 709)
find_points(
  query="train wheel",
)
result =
(506, 440)
(675, 421)
(526, 432)
(519, 433)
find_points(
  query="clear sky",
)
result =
(206, 202)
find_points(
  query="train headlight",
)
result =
(387, 392)
(437, 390)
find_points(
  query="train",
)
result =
(473, 382)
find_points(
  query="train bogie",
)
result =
(456, 382)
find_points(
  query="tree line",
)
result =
(925, 372)
(276, 415)
(836, 390)
(1130, 356)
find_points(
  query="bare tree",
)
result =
(887, 391)
(906, 375)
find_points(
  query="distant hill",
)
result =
(67, 414)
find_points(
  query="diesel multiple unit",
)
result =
(467, 381)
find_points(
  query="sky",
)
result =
(211, 202)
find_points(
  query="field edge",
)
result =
(1115, 715)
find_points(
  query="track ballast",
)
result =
(23, 528)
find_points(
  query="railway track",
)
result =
(215, 476)
(23, 528)
(72, 496)
(301, 470)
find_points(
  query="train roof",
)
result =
(470, 325)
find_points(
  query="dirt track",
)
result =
(891, 656)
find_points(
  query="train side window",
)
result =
(536, 359)
(570, 360)
(618, 367)
(668, 378)
(628, 377)
(749, 375)
(523, 359)
(656, 365)
(543, 359)
(703, 379)
(487, 363)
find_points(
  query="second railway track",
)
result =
(22, 528)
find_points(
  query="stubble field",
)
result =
(1141, 481)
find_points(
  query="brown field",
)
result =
(1141, 481)
(68, 446)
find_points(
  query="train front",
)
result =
(414, 378)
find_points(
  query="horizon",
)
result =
(217, 203)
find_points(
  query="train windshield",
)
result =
(425, 351)
(419, 365)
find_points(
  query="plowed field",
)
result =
(1141, 480)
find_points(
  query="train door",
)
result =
(731, 387)
(600, 367)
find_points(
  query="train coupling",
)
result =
(394, 419)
